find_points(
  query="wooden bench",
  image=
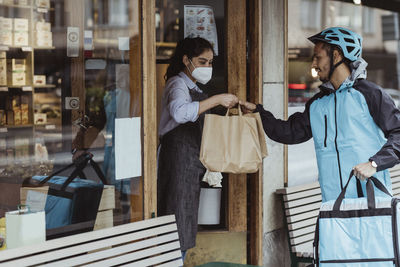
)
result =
(144, 243)
(301, 206)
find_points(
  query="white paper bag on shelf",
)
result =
(209, 206)
(24, 227)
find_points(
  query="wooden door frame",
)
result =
(236, 70)
(255, 89)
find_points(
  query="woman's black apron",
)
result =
(179, 174)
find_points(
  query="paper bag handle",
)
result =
(240, 111)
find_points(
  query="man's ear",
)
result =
(337, 56)
(185, 60)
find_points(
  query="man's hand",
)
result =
(364, 170)
(247, 107)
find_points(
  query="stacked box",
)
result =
(39, 79)
(43, 3)
(3, 71)
(22, 2)
(21, 36)
(44, 38)
(43, 26)
(17, 68)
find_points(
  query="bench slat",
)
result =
(162, 258)
(142, 254)
(294, 226)
(302, 194)
(396, 179)
(302, 209)
(302, 231)
(87, 258)
(295, 189)
(303, 201)
(84, 237)
(302, 239)
(303, 216)
(86, 247)
(396, 191)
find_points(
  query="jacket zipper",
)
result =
(326, 130)
(337, 151)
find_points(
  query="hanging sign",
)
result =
(200, 22)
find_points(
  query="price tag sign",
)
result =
(3, 130)
(50, 127)
(4, 48)
(26, 49)
(3, 89)
(27, 88)
(42, 10)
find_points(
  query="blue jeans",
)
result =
(183, 255)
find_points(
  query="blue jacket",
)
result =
(351, 125)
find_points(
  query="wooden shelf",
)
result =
(16, 126)
(16, 6)
(45, 86)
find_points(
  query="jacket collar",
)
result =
(358, 71)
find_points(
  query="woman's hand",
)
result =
(227, 100)
(247, 107)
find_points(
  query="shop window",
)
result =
(348, 15)
(368, 20)
(311, 14)
(56, 95)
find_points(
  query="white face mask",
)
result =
(201, 74)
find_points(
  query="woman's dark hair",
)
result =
(191, 47)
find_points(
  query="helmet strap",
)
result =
(333, 67)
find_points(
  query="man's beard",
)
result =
(324, 80)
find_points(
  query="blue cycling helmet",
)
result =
(348, 41)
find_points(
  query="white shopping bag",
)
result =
(24, 227)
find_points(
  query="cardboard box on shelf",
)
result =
(10, 117)
(21, 25)
(3, 119)
(43, 26)
(18, 78)
(21, 39)
(40, 118)
(22, 2)
(3, 54)
(43, 3)
(16, 101)
(39, 79)
(24, 116)
(3, 71)
(17, 116)
(6, 24)
(8, 2)
(18, 64)
(44, 38)
(6, 38)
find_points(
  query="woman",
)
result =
(183, 108)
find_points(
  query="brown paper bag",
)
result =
(234, 144)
